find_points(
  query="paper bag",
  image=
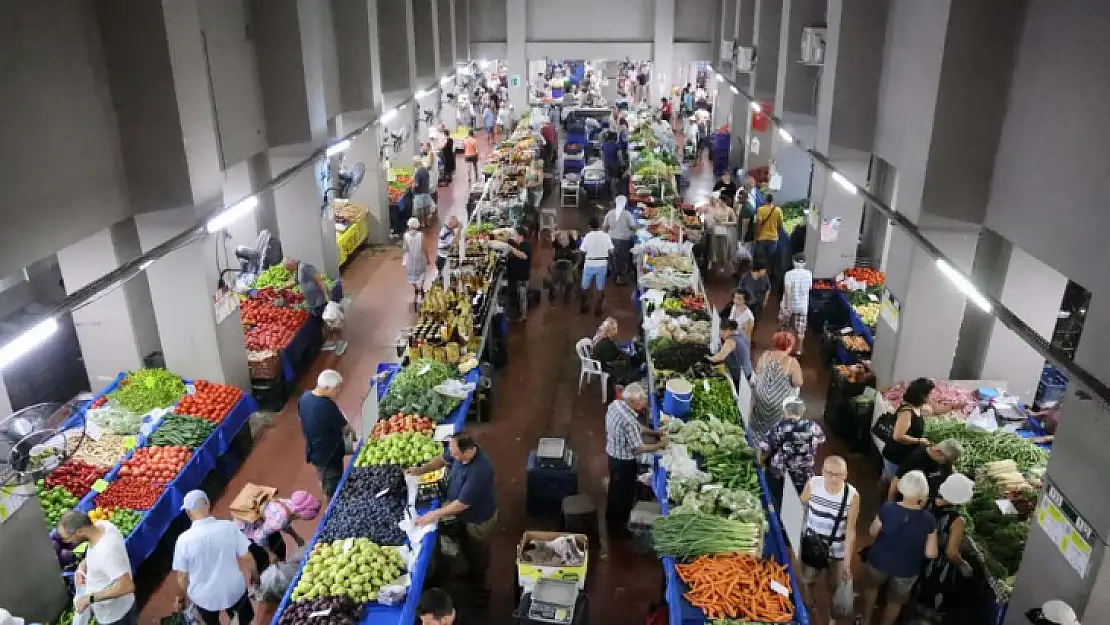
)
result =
(248, 504)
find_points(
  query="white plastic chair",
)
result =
(590, 368)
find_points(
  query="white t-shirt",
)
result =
(742, 317)
(209, 552)
(105, 562)
(596, 245)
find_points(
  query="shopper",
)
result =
(727, 188)
(213, 563)
(561, 273)
(421, 192)
(830, 509)
(614, 361)
(905, 537)
(746, 214)
(103, 578)
(275, 518)
(665, 111)
(597, 248)
(688, 100)
(611, 158)
(737, 310)
(735, 352)
(436, 608)
(505, 119)
(757, 287)
(621, 226)
(311, 283)
(942, 576)
(326, 431)
(909, 426)
(778, 376)
(789, 449)
(754, 193)
(415, 260)
(794, 309)
(723, 221)
(447, 154)
(448, 234)
(471, 501)
(768, 220)
(488, 119)
(935, 462)
(519, 271)
(623, 443)
(470, 155)
(533, 184)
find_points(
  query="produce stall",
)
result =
(352, 228)
(718, 528)
(361, 520)
(1007, 460)
(151, 437)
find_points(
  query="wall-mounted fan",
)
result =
(349, 180)
(398, 138)
(32, 444)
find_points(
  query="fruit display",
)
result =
(132, 492)
(944, 393)
(159, 465)
(181, 431)
(853, 373)
(55, 502)
(407, 449)
(868, 313)
(211, 402)
(355, 568)
(870, 277)
(265, 337)
(339, 611)
(412, 390)
(402, 422)
(125, 520)
(370, 505)
(75, 476)
(856, 344)
(144, 390)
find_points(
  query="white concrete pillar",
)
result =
(5, 401)
(767, 23)
(662, 50)
(306, 224)
(843, 211)
(516, 58)
(117, 330)
(372, 193)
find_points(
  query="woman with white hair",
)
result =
(624, 441)
(789, 449)
(941, 577)
(905, 537)
(414, 259)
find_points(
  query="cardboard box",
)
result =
(248, 504)
(527, 573)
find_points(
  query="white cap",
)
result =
(193, 499)
(6, 618)
(957, 489)
(1058, 612)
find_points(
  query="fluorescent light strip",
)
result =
(755, 107)
(708, 67)
(844, 182)
(231, 215)
(964, 285)
(734, 89)
(389, 115)
(27, 341)
(338, 148)
(785, 136)
(421, 94)
(445, 80)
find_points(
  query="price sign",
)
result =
(129, 443)
(80, 549)
(873, 297)
(190, 389)
(381, 493)
(92, 430)
(99, 486)
(424, 369)
(779, 588)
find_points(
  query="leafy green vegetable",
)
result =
(412, 391)
(691, 535)
(734, 468)
(144, 390)
(713, 396)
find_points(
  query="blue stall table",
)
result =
(376, 613)
(308, 335)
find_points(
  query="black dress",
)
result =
(940, 583)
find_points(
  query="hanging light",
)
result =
(231, 215)
(27, 341)
(785, 136)
(846, 184)
(338, 148)
(964, 285)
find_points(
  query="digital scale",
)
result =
(553, 453)
(551, 601)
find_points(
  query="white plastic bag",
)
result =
(333, 312)
(844, 600)
(984, 420)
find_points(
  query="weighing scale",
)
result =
(551, 601)
(553, 453)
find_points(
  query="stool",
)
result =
(548, 220)
(580, 516)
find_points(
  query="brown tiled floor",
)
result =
(536, 395)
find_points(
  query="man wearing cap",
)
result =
(935, 461)
(105, 573)
(213, 562)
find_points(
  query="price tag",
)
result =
(99, 486)
(424, 369)
(319, 613)
(872, 297)
(779, 588)
(129, 443)
(92, 430)
(444, 432)
(381, 493)
(80, 549)
(1005, 506)
(190, 389)
(348, 545)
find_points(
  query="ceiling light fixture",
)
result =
(844, 182)
(964, 285)
(27, 341)
(231, 215)
(338, 148)
(785, 136)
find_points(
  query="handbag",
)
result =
(884, 425)
(815, 547)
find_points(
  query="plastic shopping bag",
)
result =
(982, 420)
(844, 600)
(333, 312)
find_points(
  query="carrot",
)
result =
(737, 586)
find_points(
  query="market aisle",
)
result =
(381, 307)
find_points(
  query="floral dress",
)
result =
(792, 445)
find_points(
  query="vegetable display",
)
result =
(734, 468)
(982, 447)
(181, 431)
(402, 422)
(690, 535)
(704, 436)
(115, 420)
(130, 491)
(156, 464)
(75, 476)
(144, 390)
(738, 586)
(105, 452)
(407, 449)
(55, 502)
(676, 356)
(1000, 537)
(211, 402)
(276, 276)
(355, 568)
(412, 390)
(374, 501)
(125, 520)
(713, 396)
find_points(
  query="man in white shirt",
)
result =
(104, 576)
(210, 559)
(597, 246)
(794, 309)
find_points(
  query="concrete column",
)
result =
(988, 272)
(837, 206)
(662, 49)
(5, 401)
(722, 107)
(768, 23)
(307, 227)
(445, 35)
(117, 330)
(427, 41)
(372, 193)
(516, 58)
(795, 97)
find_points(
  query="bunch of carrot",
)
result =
(738, 585)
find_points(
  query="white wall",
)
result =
(792, 161)
(694, 20)
(585, 20)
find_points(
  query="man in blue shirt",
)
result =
(325, 429)
(471, 500)
(610, 155)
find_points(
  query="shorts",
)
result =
(421, 204)
(595, 275)
(898, 589)
(795, 322)
(807, 574)
(329, 478)
(471, 158)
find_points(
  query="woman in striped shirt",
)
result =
(826, 507)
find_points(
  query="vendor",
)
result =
(610, 155)
(624, 441)
(470, 493)
(735, 352)
(275, 518)
(104, 576)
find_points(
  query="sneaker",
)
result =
(340, 347)
(328, 346)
